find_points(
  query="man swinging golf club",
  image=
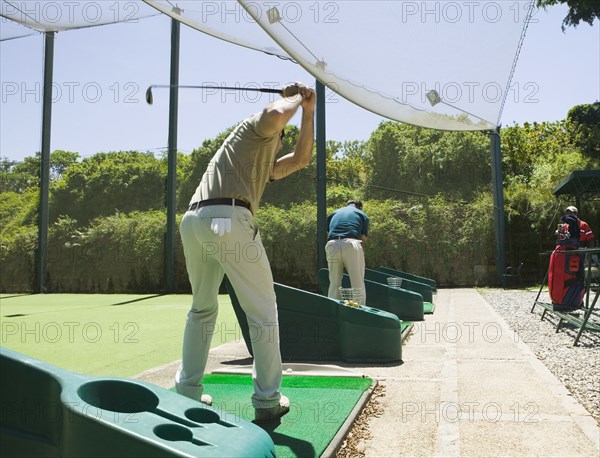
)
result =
(220, 237)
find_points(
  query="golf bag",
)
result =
(565, 273)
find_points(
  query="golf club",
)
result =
(267, 90)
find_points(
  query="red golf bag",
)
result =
(566, 274)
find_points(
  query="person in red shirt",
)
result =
(586, 236)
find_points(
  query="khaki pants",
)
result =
(341, 253)
(241, 256)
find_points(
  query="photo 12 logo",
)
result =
(469, 92)
(287, 12)
(453, 412)
(69, 331)
(451, 12)
(71, 92)
(70, 14)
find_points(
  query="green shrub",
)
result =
(122, 253)
(109, 183)
(17, 260)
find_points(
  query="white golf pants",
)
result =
(345, 253)
(240, 255)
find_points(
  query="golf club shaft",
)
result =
(267, 90)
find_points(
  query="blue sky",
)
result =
(101, 75)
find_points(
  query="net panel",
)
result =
(225, 20)
(10, 30)
(436, 64)
(24, 17)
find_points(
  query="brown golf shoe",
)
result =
(270, 414)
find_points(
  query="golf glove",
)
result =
(356, 244)
(221, 226)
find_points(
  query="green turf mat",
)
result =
(104, 334)
(428, 307)
(318, 408)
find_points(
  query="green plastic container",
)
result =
(50, 412)
(316, 328)
(406, 305)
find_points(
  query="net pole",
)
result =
(321, 176)
(172, 158)
(43, 214)
(498, 194)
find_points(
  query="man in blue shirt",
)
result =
(347, 229)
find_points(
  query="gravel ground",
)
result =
(578, 368)
(354, 444)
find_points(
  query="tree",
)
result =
(579, 10)
(584, 127)
(6, 165)
(194, 167)
(404, 160)
(18, 176)
(14, 181)
(297, 187)
(109, 183)
(384, 151)
(59, 162)
(346, 173)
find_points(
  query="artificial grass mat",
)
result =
(318, 408)
(428, 307)
(117, 335)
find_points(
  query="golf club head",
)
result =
(149, 98)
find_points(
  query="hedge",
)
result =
(452, 242)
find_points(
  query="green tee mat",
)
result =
(428, 307)
(409, 276)
(51, 412)
(104, 334)
(381, 277)
(319, 406)
(313, 327)
(406, 305)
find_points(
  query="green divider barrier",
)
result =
(313, 327)
(406, 305)
(408, 276)
(381, 277)
(51, 412)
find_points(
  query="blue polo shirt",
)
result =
(348, 222)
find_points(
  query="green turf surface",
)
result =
(117, 335)
(318, 408)
(428, 307)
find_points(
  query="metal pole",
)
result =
(321, 176)
(42, 254)
(498, 203)
(172, 158)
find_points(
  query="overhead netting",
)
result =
(437, 64)
(19, 18)
(226, 20)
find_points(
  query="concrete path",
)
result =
(467, 388)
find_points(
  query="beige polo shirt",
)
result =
(241, 167)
